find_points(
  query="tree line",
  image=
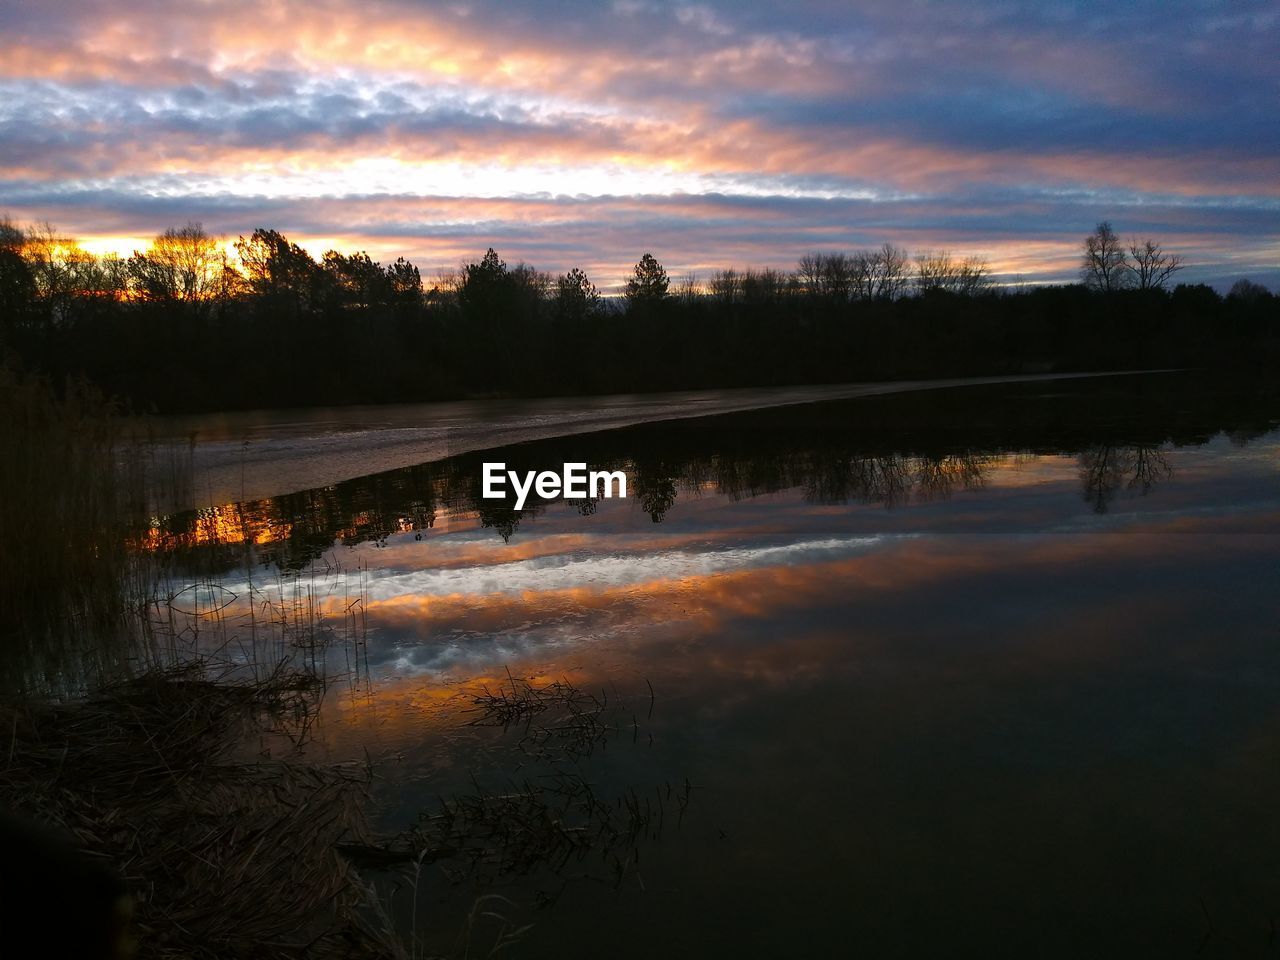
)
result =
(185, 325)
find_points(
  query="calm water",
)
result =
(987, 669)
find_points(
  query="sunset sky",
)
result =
(713, 134)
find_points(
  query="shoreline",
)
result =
(260, 454)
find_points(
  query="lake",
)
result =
(993, 668)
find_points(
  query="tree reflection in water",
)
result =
(1106, 469)
(887, 451)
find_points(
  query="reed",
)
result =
(556, 720)
(224, 856)
(554, 821)
(79, 482)
(61, 551)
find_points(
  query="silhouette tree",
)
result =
(499, 307)
(688, 290)
(836, 278)
(940, 271)
(862, 268)
(1105, 265)
(1151, 266)
(934, 271)
(279, 272)
(890, 273)
(485, 288)
(576, 297)
(355, 280)
(529, 289)
(488, 328)
(726, 286)
(1247, 291)
(17, 286)
(973, 276)
(183, 266)
(809, 273)
(767, 286)
(829, 277)
(648, 283)
(52, 262)
(97, 279)
(405, 282)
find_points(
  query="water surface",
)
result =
(985, 669)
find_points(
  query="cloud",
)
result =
(735, 132)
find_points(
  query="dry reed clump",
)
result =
(59, 502)
(557, 821)
(76, 483)
(225, 857)
(557, 718)
(67, 505)
(554, 821)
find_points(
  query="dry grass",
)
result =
(74, 484)
(228, 854)
(553, 821)
(60, 543)
(225, 856)
(557, 718)
(557, 821)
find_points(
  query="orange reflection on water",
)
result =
(784, 625)
(233, 523)
(710, 600)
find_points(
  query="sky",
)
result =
(712, 134)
